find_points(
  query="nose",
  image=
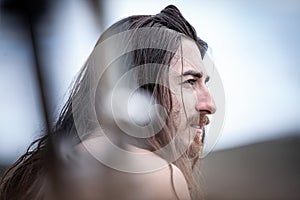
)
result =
(205, 102)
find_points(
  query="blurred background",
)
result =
(256, 48)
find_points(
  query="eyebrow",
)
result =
(195, 74)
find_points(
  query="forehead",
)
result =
(189, 55)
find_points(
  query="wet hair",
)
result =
(25, 179)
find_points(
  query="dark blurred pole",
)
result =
(30, 13)
(98, 11)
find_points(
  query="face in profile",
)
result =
(192, 101)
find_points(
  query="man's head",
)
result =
(160, 57)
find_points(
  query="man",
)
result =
(133, 126)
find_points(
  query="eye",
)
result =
(190, 81)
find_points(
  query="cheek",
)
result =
(183, 106)
(175, 114)
(190, 100)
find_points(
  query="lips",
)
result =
(203, 121)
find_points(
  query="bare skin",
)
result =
(108, 183)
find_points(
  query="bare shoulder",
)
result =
(169, 183)
(165, 183)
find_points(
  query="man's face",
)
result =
(191, 98)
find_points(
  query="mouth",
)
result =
(200, 129)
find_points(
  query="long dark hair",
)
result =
(25, 179)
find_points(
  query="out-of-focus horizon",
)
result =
(255, 46)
